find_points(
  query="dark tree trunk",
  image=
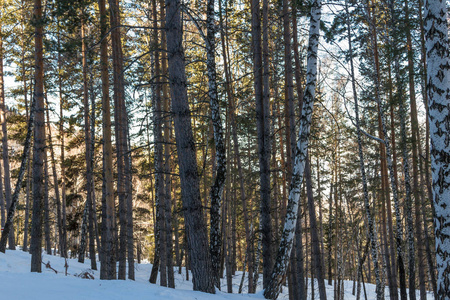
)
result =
(108, 264)
(55, 183)
(120, 133)
(195, 224)
(23, 166)
(315, 242)
(39, 143)
(87, 155)
(262, 119)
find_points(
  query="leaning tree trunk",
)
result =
(197, 238)
(438, 92)
(217, 188)
(370, 219)
(55, 182)
(287, 237)
(23, 167)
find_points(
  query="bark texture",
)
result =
(108, 264)
(200, 259)
(217, 188)
(39, 142)
(438, 91)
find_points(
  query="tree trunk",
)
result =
(55, 183)
(120, 132)
(262, 114)
(87, 154)
(426, 170)
(372, 235)
(195, 224)
(23, 166)
(108, 264)
(39, 143)
(217, 188)
(2, 202)
(48, 245)
(315, 242)
(415, 143)
(287, 237)
(243, 196)
(5, 149)
(399, 226)
(93, 223)
(438, 80)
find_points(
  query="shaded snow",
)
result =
(17, 282)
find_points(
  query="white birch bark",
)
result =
(217, 188)
(438, 91)
(287, 237)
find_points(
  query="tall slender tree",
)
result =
(108, 264)
(200, 259)
(262, 117)
(438, 92)
(284, 250)
(39, 141)
(5, 149)
(217, 188)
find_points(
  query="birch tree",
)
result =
(217, 188)
(287, 237)
(438, 92)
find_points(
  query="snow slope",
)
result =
(17, 282)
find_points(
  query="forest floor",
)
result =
(17, 282)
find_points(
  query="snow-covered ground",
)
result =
(17, 282)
